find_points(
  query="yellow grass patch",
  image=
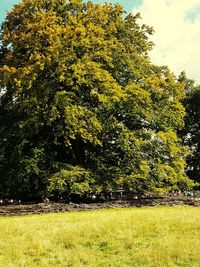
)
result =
(136, 237)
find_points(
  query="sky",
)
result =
(177, 31)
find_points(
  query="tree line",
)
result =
(83, 108)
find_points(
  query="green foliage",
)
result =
(191, 131)
(78, 89)
(72, 179)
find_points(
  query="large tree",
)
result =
(82, 108)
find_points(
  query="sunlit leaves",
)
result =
(78, 86)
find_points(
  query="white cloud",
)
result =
(177, 34)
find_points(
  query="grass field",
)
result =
(159, 236)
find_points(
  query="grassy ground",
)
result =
(160, 237)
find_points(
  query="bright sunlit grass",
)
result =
(161, 236)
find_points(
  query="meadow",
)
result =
(136, 237)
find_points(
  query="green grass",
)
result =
(159, 236)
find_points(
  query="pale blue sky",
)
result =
(6, 5)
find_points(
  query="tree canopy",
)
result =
(82, 107)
